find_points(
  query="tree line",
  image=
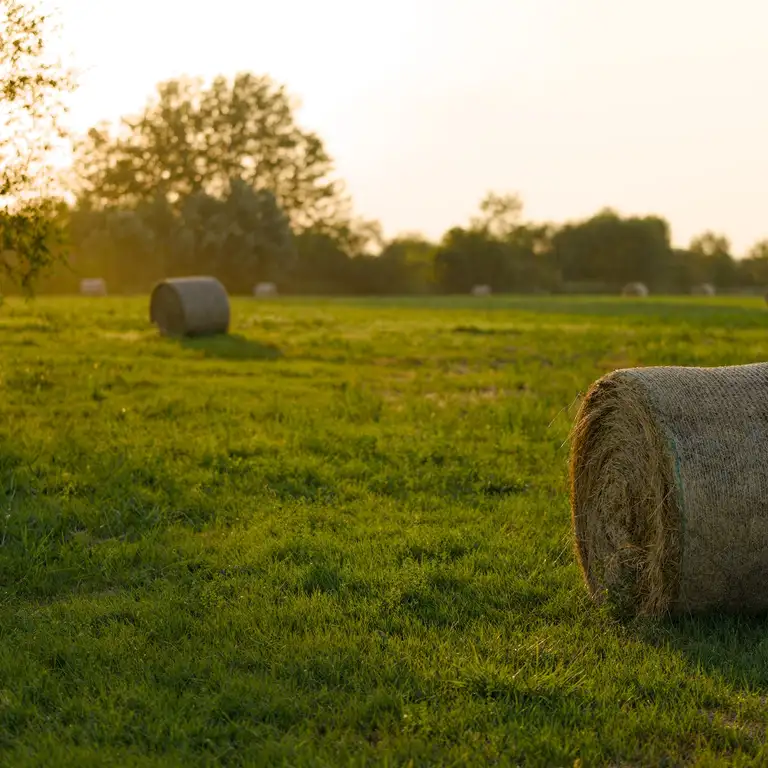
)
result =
(220, 179)
(243, 237)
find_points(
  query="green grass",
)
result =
(339, 536)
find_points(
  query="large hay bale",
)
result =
(264, 289)
(93, 286)
(190, 306)
(669, 489)
(635, 289)
(703, 289)
(481, 290)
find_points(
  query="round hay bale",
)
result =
(93, 286)
(669, 489)
(481, 290)
(703, 289)
(190, 306)
(264, 289)
(635, 289)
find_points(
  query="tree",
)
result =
(32, 90)
(609, 249)
(500, 215)
(117, 245)
(717, 265)
(468, 257)
(498, 249)
(710, 244)
(407, 263)
(242, 239)
(194, 139)
(754, 267)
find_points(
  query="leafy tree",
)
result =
(32, 90)
(117, 245)
(468, 257)
(193, 139)
(498, 249)
(613, 250)
(717, 265)
(500, 215)
(322, 265)
(754, 267)
(243, 238)
(710, 244)
(410, 259)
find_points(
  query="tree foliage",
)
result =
(32, 90)
(613, 249)
(193, 138)
(754, 267)
(500, 215)
(242, 237)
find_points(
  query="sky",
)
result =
(646, 106)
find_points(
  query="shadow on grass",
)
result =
(733, 647)
(231, 347)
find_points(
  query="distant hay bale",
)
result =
(635, 289)
(481, 290)
(265, 289)
(669, 489)
(703, 289)
(95, 286)
(190, 306)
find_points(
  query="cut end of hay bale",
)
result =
(635, 289)
(669, 489)
(93, 286)
(262, 290)
(623, 499)
(190, 306)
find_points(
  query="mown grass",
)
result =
(339, 536)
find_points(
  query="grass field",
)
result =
(339, 536)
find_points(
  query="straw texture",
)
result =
(190, 306)
(669, 489)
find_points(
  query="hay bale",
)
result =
(635, 289)
(703, 289)
(669, 489)
(190, 306)
(265, 289)
(481, 290)
(93, 286)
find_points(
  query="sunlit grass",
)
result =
(339, 536)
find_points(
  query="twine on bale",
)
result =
(190, 306)
(669, 489)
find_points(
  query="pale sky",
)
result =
(647, 106)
